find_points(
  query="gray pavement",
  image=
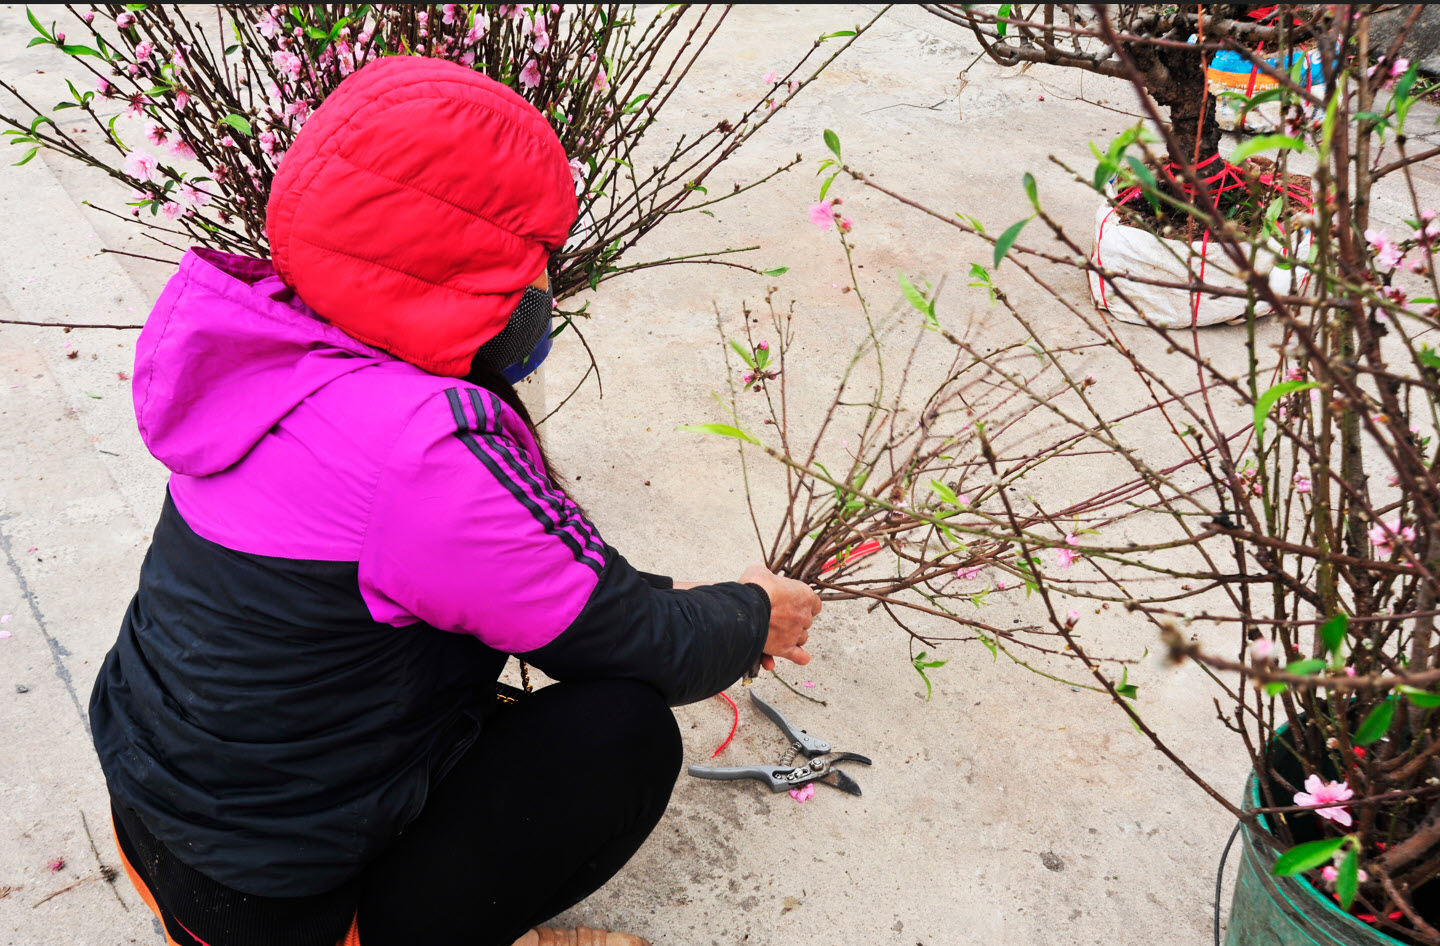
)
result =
(1007, 810)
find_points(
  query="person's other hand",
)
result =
(793, 607)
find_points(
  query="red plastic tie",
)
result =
(868, 547)
(733, 726)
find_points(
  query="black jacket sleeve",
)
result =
(689, 645)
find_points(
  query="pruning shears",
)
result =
(820, 767)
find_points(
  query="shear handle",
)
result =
(807, 743)
(778, 777)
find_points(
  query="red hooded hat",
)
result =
(417, 203)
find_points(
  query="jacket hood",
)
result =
(227, 352)
(415, 206)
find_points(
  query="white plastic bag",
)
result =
(1123, 249)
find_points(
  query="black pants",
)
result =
(558, 792)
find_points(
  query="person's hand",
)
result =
(792, 607)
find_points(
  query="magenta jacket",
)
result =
(349, 550)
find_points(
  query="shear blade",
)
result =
(838, 779)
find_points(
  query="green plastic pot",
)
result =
(1286, 911)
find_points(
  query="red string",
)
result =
(868, 547)
(1228, 178)
(733, 726)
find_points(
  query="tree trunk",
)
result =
(1178, 83)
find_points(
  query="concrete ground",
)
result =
(1007, 810)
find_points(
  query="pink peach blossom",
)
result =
(1320, 792)
(846, 224)
(1330, 874)
(823, 214)
(530, 75)
(1302, 483)
(143, 166)
(1387, 254)
(770, 78)
(602, 81)
(144, 50)
(1262, 648)
(804, 793)
(1382, 535)
(125, 20)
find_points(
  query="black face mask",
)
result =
(524, 341)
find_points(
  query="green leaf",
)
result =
(745, 354)
(1271, 397)
(1148, 184)
(825, 188)
(915, 296)
(945, 492)
(1377, 723)
(1127, 689)
(1332, 632)
(1007, 239)
(1307, 856)
(634, 104)
(1030, 190)
(1274, 688)
(1002, 14)
(777, 271)
(36, 23)
(1347, 882)
(921, 665)
(721, 430)
(239, 123)
(1265, 143)
(832, 141)
(837, 33)
(1428, 357)
(28, 155)
(1304, 668)
(1422, 698)
(1406, 82)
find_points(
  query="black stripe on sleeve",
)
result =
(541, 488)
(465, 436)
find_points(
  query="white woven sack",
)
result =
(1123, 249)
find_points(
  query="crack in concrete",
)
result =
(58, 651)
